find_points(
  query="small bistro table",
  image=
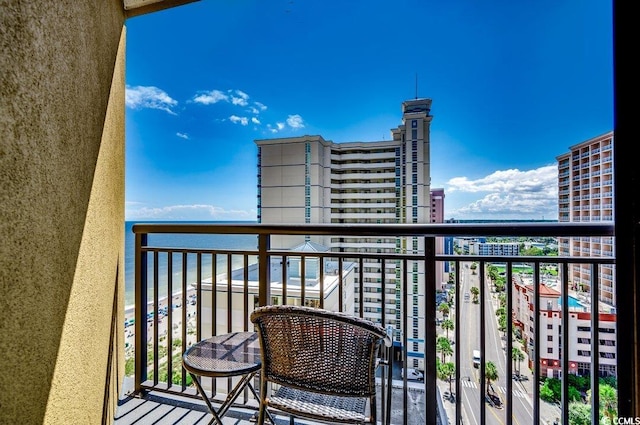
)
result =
(226, 355)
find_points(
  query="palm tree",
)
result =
(475, 291)
(444, 309)
(517, 356)
(490, 373)
(447, 325)
(503, 299)
(608, 401)
(502, 323)
(446, 372)
(443, 346)
(492, 271)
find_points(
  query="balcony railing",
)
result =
(185, 294)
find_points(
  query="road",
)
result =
(522, 410)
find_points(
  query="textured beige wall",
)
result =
(62, 210)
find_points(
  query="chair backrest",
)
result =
(318, 350)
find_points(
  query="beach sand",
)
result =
(177, 302)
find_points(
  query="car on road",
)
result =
(476, 358)
(466, 297)
(494, 401)
(413, 375)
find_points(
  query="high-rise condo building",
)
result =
(311, 180)
(585, 194)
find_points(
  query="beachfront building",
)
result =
(310, 180)
(585, 194)
(550, 327)
(493, 248)
(321, 285)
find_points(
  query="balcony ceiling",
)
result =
(141, 7)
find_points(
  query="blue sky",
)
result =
(514, 84)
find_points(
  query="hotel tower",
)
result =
(310, 180)
(585, 194)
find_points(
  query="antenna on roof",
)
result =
(416, 85)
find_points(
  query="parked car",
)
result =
(413, 375)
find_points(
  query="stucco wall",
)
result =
(62, 210)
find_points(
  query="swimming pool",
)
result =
(573, 302)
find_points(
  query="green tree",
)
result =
(502, 323)
(533, 251)
(608, 401)
(447, 325)
(492, 271)
(444, 309)
(443, 346)
(550, 390)
(502, 298)
(475, 291)
(581, 383)
(490, 373)
(517, 356)
(451, 294)
(130, 366)
(446, 371)
(579, 413)
(574, 394)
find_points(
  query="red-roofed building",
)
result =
(550, 326)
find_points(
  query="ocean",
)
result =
(240, 242)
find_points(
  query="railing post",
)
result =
(264, 269)
(430, 375)
(140, 311)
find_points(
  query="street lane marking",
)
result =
(503, 390)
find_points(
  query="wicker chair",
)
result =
(324, 364)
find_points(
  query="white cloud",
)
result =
(295, 121)
(239, 120)
(211, 97)
(142, 97)
(188, 212)
(183, 136)
(531, 194)
(240, 98)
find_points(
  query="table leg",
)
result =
(231, 397)
(203, 394)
